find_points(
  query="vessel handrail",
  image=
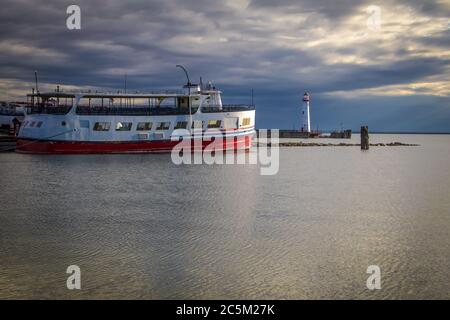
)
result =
(107, 110)
(36, 109)
(228, 107)
(10, 113)
(106, 94)
(136, 110)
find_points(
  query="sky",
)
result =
(385, 64)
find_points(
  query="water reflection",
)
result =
(141, 227)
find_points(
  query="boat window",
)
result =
(181, 125)
(32, 124)
(142, 136)
(123, 126)
(142, 126)
(231, 123)
(39, 124)
(163, 126)
(246, 121)
(214, 123)
(197, 124)
(102, 126)
(84, 124)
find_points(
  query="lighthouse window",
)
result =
(214, 123)
(163, 126)
(181, 125)
(123, 126)
(102, 126)
(144, 126)
(246, 121)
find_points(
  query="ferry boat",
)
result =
(92, 122)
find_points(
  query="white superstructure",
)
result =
(91, 122)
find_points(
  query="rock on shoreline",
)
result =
(342, 144)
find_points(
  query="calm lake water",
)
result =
(141, 227)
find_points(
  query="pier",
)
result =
(341, 144)
(297, 134)
(7, 143)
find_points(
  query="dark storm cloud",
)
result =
(342, 8)
(441, 40)
(332, 9)
(239, 45)
(392, 73)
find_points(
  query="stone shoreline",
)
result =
(342, 144)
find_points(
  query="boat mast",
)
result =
(189, 97)
(36, 81)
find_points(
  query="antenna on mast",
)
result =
(36, 81)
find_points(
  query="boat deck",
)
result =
(136, 111)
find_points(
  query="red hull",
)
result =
(76, 147)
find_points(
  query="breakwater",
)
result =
(341, 144)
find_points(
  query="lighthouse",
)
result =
(305, 124)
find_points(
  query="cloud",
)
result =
(277, 48)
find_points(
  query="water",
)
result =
(140, 227)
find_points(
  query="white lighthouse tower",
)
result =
(305, 123)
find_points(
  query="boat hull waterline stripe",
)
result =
(161, 146)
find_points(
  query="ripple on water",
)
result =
(141, 227)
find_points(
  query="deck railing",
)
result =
(48, 109)
(228, 108)
(10, 113)
(134, 111)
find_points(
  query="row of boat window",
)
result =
(147, 126)
(36, 124)
(142, 126)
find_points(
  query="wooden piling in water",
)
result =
(364, 138)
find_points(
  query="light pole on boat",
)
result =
(37, 87)
(189, 92)
(185, 72)
(125, 90)
(36, 81)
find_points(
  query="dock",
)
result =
(341, 144)
(297, 134)
(7, 143)
(293, 134)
